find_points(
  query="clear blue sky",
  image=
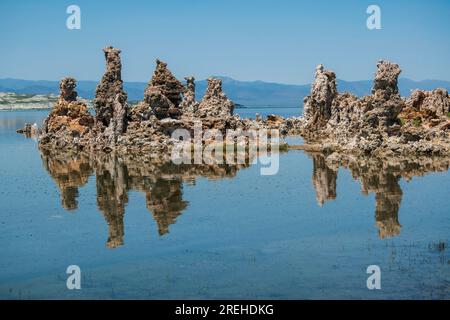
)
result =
(278, 41)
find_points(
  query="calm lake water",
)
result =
(139, 230)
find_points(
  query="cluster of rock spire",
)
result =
(110, 101)
(380, 122)
(325, 108)
(373, 128)
(71, 126)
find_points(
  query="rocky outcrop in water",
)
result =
(215, 103)
(29, 130)
(164, 81)
(110, 101)
(148, 126)
(318, 105)
(329, 112)
(164, 93)
(382, 123)
(373, 124)
(162, 97)
(69, 125)
(189, 105)
(427, 107)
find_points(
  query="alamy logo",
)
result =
(74, 280)
(374, 280)
(374, 20)
(74, 20)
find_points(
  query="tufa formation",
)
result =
(382, 123)
(110, 101)
(69, 123)
(164, 93)
(215, 103)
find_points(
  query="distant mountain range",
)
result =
(247, 93)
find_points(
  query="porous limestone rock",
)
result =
(386, 79)
(159, 104)
(69, 124)
(67, 90)
(189, 106)
(215, 103)
(374, 124)
(427, 105)
(163, 94)
(379, 124)
(317, 106)
(383, 106)
(29, 130)
(110, 101)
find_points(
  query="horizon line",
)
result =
(228, 77)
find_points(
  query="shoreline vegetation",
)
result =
(381, 124)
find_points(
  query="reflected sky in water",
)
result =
(139, 228)
(162, 184)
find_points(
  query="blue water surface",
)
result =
(243, 237)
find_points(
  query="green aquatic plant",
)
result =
(417, 122)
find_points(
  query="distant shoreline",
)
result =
(24, 108)
(38, 108)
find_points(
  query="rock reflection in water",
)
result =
(161, 182)
(380, 176)
(69, 172)
(324, 179)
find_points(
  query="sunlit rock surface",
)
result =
(69, 124)
(382, 123)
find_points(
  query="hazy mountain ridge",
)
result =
(249, 93)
